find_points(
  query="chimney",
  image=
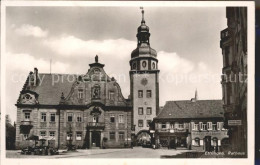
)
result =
(196, 95)
(35, 77)
(31, 78)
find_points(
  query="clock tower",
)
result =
(144, 79)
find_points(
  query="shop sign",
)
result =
(234, 122)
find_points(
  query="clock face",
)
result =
(144, 64)
(144, 81)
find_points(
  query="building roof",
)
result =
(47, 89)
(52, 86)
(192, 109)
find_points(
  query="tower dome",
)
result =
(143, 42)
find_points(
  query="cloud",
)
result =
(173, 63)
(23, 63)
(70, 45)
(30, 30)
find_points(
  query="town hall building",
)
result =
(89, 110)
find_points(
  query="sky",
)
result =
(186, 40)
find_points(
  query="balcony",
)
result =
(96, 125)
(27, 122)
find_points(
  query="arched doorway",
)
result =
(143, 138)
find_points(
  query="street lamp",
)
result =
(153, 140)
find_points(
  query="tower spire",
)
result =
(142, 8)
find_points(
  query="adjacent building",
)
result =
(191, 124)
(234, 51)
(89, 110)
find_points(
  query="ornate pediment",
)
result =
(28, 97)
(96, 111)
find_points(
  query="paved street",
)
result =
(137, 152)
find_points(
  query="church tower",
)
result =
(144, 79)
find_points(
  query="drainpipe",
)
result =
(59, 130)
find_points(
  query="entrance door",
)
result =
(207, 141)
(95, 139)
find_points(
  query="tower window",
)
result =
(134, 65)
(140, 123)
(148, 93)
(153, 65)
(148, 123)
(149, 110)
(144, 64)
(140, 111)
(140, 93)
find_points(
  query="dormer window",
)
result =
(111, 95)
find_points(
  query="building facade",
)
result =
(88, 110)
(191, 124)
(234, 51)
(144, 82)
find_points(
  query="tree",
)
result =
(10, 133)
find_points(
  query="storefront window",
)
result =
(78, 135)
